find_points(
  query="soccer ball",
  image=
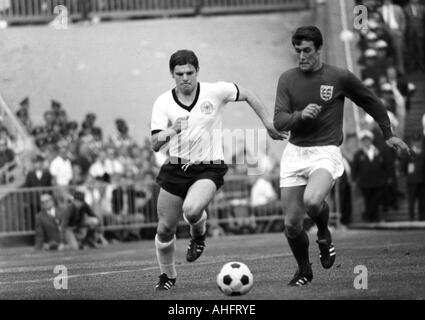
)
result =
(235, 279)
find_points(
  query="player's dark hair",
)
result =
(308, 33)
(182, 57)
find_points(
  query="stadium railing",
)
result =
(37, 11)
(127, 206)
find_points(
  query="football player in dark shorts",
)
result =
(188, 121)
(309, 104)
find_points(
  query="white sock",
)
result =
(199, 227)
(165, 256)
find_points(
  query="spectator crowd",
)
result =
(392, 49)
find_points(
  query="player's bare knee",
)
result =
(191, 213)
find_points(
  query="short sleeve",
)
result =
(228, 91)
(159, 120)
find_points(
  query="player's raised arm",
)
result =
(366, 99)
(257, 105)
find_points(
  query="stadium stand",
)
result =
(43, 11)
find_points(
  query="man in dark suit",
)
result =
(48, 231)
(415, 14)
(39, 177)
(369, 172)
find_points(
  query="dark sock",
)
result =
(321, 221)
(299, 247)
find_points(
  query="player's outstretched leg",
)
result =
(165, 256)
(299, 247)
(326, 247)
(197, 242)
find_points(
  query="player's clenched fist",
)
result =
(180, 124)
(311, 111)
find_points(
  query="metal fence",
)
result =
(30, 11)
(133, 206)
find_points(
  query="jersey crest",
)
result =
(207, 107)
(326, 92)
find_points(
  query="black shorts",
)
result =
(175, 180)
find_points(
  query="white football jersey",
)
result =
(202, 140)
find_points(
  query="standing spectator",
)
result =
(38, 177)
(395, 20)
(415, 14)
(23, 114)
(368, 170)
(61, 167)
(48, 232)
(423, 132)
(414, 168)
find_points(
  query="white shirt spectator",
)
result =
(262, 193)
(97, 169)
(61, 169)
(113, 166)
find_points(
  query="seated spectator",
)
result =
(122, 137)
(98, 169)
(39, 176)
(72, 132)
(49, 120)
(78, 177)
(112, 165)
(79, 159)
(262, 192)
(264, 201)
(61, 167)
(80, 223)
(48, 233)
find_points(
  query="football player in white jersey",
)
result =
(188, 120)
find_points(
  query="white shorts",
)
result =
(298, 163)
